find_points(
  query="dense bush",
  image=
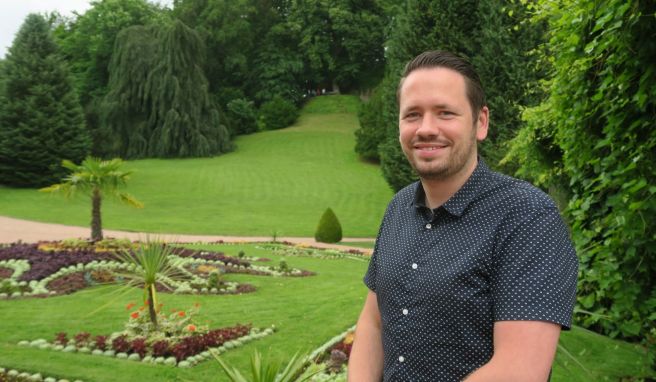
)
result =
(329, 230)
(595, 135)
(277, 113)
(242, 115)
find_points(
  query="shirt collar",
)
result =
(457, 204)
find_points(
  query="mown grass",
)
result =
(307, 311)
(274, 182)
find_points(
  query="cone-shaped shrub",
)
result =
(329, 229)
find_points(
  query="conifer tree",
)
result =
(41, 121)
(158, 104)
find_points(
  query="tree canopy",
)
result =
(41, 121)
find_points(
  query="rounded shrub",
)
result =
(277, 113)
(329, 230)
(242, 115)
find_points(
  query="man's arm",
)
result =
(523, 352)
(366, 361)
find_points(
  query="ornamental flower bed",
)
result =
(13, 375)
(178, 340)
(329, 361)
(53, 268)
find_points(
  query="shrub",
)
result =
(242, 115)
(277, 113)
(329, 229)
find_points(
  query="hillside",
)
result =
(274, 182)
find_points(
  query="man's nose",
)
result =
(430, 125)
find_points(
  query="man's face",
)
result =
(437, 131)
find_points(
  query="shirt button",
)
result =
(405, 312)
(401, 359)
(428, 226)
(414, 265)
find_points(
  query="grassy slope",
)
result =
(307, 311)
(278, 181)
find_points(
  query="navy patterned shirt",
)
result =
(497, 250)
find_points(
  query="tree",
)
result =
(41, 121)
(96, 178)
(329, 230)
(158, 104)
(342, 41)
(593, 137)
(495, 39)
(87, 42)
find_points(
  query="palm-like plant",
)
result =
(149, 264)
(268, 371)
(96, 178)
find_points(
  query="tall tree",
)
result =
(594, 137)
(158, 103)
(87, 43)
(491, 34)
(41, 121)
(342, 41)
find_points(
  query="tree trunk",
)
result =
(151, 306)
(96, 224)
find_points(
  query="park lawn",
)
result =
(307, 311)
(274, 183)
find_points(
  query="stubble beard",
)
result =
(447, 167)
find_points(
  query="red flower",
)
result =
(191, 327)
(129, 306)
(181, 313)
(135, 315)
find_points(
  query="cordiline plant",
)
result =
(148, 265)
(268, 371)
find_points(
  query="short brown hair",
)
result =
(448, 60)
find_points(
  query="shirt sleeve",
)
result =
(535, 271)
(370, 277)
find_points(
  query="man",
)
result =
(473, 274)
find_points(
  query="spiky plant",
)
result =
(268, 370)
(149, 264)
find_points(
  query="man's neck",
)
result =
(439, 191)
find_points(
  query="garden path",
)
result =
(12, 230)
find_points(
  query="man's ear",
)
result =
(482, 123)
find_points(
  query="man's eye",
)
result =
(412, 115)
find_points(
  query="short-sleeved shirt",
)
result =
(497, 250)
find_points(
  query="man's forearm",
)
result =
(366, 360)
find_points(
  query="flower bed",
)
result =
(329, 361)
(291, 249)
(13, 375)
(177, 342)
(51, 268)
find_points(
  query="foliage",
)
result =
(329, 230)
(494, 38)
(41, 121)
(158, 103)
(277, 113)
(267, 371)
(372, 127)
(87, 42)
(149, 264)
(595, 134)
(342, 41)
(242, 115)
(95, 177)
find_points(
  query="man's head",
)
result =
(448, 60)
(442, 114)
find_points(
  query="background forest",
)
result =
(571, 87)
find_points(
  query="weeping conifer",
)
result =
(158, 104)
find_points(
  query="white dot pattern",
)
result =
(498, 250)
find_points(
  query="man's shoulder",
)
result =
(516, 193)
